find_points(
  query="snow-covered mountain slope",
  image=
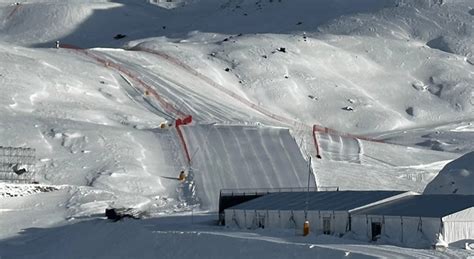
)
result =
(322, 77)
(79, 119)
(73, 21)
(456, 177)
(57, 84)
(375, 165)
(451, 137)
(97, 131)
(341, 61)
(396, 70)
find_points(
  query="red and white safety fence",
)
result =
(181, 118)
(14, 10)
(325, 130)
(147, 88)
(191, 70)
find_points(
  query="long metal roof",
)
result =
(331, 200)
(435, 205)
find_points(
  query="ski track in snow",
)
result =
(176, 93)
(380, 251)
(15, 9)
(57, 69)
(142, 158)
(37, 95)
(224, 90)
(45, 140)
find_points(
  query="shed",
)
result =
(418, 221)
(327, 212)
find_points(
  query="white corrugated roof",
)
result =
(334, 200)
(422, 206)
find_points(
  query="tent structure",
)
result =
(327, 212)
(418, 221)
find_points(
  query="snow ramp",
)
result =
(225, 156)
(338, 148)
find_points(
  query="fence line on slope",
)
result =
(288, 121)
(181, 118)
(191, 70)
(148, 90)
(316, 144)
(186, 118)
(178, 124)
(15, 9)
(326, 130)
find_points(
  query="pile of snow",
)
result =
(456, 177)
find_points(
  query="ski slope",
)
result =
(190, 95)
(374, 165)
(255, 76)
(230, 157)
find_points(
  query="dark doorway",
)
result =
(261, 221)
(326, 225)
(376, 230)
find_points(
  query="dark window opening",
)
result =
(376, 230)
(327, 225)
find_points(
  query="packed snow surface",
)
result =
(456, 177)
(255, 76)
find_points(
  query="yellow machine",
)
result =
(182, 176)
(306, 228)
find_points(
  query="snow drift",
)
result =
(456, 177)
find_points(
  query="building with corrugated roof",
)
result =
(327, 212)
(418, 221)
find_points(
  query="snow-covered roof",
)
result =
(422, 206)
(332, 200)
(457, 177)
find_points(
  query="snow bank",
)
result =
(456, 177)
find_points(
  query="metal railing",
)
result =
(17, 165)
(328, 188)
(260, 191)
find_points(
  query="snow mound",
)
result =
(456, 177)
